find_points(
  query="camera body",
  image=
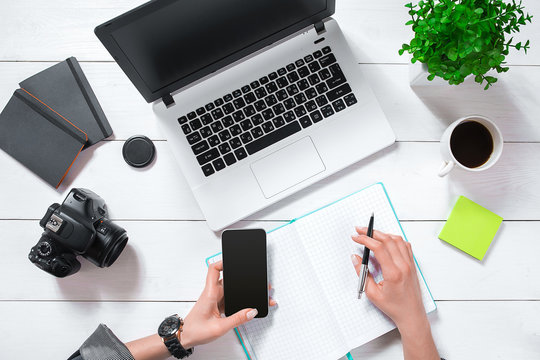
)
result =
(77, 227)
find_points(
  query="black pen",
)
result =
(365, 260)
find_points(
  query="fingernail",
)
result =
(354, 260)
(251, 314)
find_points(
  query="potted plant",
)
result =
(455, 39)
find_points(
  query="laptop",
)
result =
(257, 98)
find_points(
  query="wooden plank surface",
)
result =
(416, 114)
(510, 188)
(375, 29)
(164, 261)
(460, 329)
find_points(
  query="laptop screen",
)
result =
(179, 38)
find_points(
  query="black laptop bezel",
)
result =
(104, 31)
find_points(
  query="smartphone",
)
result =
(245, 278)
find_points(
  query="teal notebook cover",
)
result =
(427, 297)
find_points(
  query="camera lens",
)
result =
(108, 244)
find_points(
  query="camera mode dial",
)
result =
(44, 248)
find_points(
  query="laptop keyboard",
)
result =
(266, 111)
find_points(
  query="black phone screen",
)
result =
(244, 271)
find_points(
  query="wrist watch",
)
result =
(169, 331)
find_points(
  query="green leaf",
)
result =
(452, 54)
(409, 5)
(479, 11)
(431, 77)
(478, 79)
(401, 51)
(410, 22)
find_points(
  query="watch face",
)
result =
(169, 326)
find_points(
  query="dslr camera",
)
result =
(77, 227)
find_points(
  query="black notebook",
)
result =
(65, 89)
(39, 137)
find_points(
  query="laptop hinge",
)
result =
(168, 100)
(319, 27)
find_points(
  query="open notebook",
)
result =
(318, 315)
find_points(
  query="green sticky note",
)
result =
(470, 227)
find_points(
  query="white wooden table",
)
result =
(486, 310)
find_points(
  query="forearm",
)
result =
(418, 342)
(148, 348)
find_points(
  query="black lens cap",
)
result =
(138, 151)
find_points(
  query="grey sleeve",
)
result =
(104, 345)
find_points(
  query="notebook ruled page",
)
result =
(326, 235)
(301, 326)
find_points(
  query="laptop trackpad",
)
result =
(287, 167)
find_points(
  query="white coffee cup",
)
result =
(449, 159)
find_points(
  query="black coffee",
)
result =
(471, 144)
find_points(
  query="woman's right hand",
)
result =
(398, 295)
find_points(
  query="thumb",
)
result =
(239, 318)
(373, 290)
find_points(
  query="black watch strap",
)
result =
(176, 349)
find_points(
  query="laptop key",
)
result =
(209, 106)
(299, 62)
(303, 84)
(228, 121)
(206, 119)
(224, 148)
(321, 100)
(326, 49)
(281, 71)
(325, 74)
(191, 115)
(257, 119)
(282, 95)
(219, 164)
(263, 80)
(236, 93)
(249, 110)
(254, 84)
(200, 147)
(260, 92)
(314, 79)
(246, 89)
(228, 97)
(350, 99)
(208, 170)
(278, 109)
(218, 102)
(200, 110)
(272, 76)
(208, 156)
(270, 100)
(289, 103)
(268, 126)
(260, 105)
(216, 126)
(246, 125)
(316, 116)
(327, 111)
(229, 159)
(257, 132)
(206, 132)
(314, 67)
(303, 71)
(235, 142)
(335, 69)
(228, 108)
(321, 88)
(217, 114)
(305, 121)
(271, 87)
(282, 82)
(182, 120)
(327, 60)
(213, 140)
(338, 105)
(235, 130)
(250, 98)
(239, 103)
(311, 93)
(240, 153)
(278, 121)
(293, 77)
(193, 138)
(225, 135)
(291, 67)
(238, 116)
(317, 54)
(338, 92)
(311, 106)
(246, 137)
(289, 116)
(300, 111)
(336, 81)
(292, 90)
(300, 98)
(268, 114)
(308, 58)
(195, 124)
(273, 137)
